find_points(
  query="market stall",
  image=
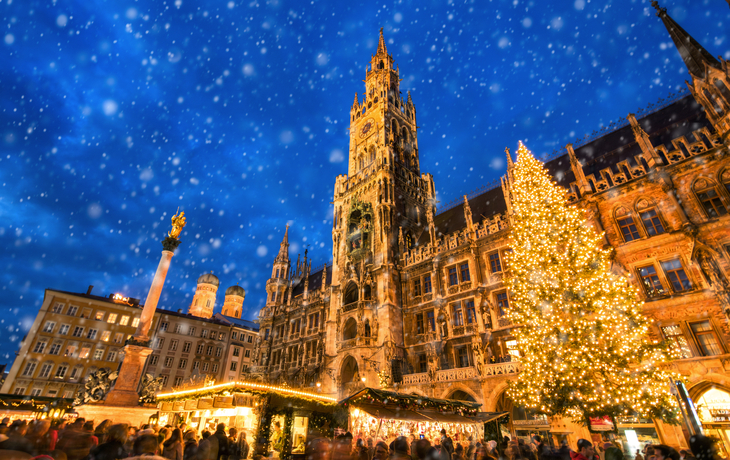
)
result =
(35, 407)
(381, 414)
(277, 420)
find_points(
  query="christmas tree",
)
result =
(582, 336)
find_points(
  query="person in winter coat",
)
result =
(220, 435)
(191, 445)
(113, 448)
(447, 445)
(75, 442)
(172, 448)
(16, 438)
(585, 451)
(38, 436)
(243, 447)
(102, 430)
(146, 447)
(611, 452)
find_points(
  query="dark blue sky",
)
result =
(114, 113)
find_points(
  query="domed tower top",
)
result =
(233, 302)
(204, 298)
(209, 278)
(236, 290)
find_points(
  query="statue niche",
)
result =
(359, 228)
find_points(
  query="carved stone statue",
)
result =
(375, 329)
(389, 351)
(149, 389)
(178, 222)
(96, 387)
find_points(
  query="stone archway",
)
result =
(461, 395)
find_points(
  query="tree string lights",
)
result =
(582, 336)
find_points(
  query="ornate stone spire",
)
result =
(652, 157)
(577, 168)
(695, 57)
(381, 44)
(357, 102)
(283, 255)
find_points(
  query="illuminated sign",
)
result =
(121, 298)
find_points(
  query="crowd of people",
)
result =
(81, 440)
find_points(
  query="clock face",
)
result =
(366, 127)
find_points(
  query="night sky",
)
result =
(115, 113)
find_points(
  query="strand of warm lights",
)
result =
(583, 338)
(252, 385)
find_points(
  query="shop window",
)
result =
(458, 314)
(453, 277)
(427, 284)
(299, 432)
(652, 222)
(652, 284)
(419, 323)
(464, 270)
(706, 338)
(677, 341)
(676, 275)
(709, 199)
(495, 264)
(502, 303)
(416, 288)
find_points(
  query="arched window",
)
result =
(367, 292)
(725, 179)
(376, 99)
(626, 225)
(350, 330)
(351, 294)
(709, 199)
(405, 134)
(372, 155)
(381, 65)
(722, 88)
(394, 127)
(650, 217)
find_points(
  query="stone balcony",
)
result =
(463, 373)
(345, 344)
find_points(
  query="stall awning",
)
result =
(393, 413)
(485, 417)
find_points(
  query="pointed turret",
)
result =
(356, 103)
(381, 44)
(695, 57)
(410, 101)
(710, 84)
(467, 216)
(650, 154)
(283, 255)
(580, 178)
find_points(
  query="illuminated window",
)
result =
(706, 338)
(649, 278)
(676, 275)
(105, 336)
(112, 318)
(84, 353)
(124, 321)
(118, 337)
(512, 349)
(135, 321)
(99, 316)
(677, 340)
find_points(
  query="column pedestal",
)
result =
(125, 388)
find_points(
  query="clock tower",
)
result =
(380, 211)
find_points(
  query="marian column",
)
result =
(137, 348)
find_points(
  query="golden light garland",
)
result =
(251, 385)
(582, 336)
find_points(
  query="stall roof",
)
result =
(387, 396)
(232, 387)
(396, 413)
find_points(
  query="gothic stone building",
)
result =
(419, 297)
